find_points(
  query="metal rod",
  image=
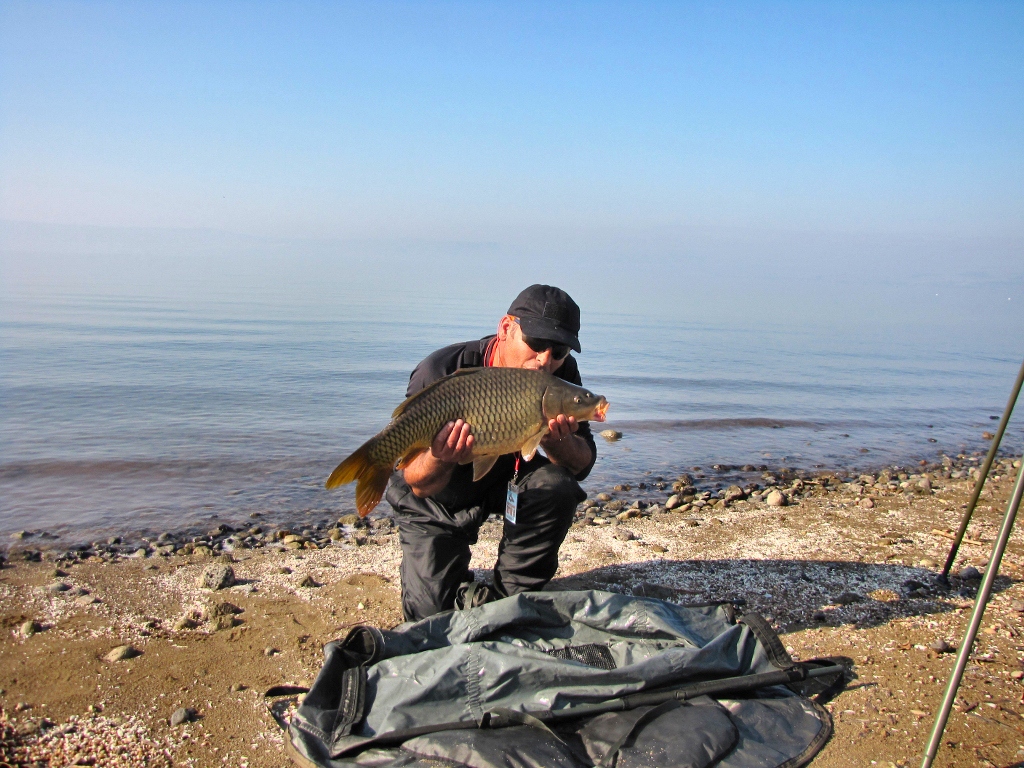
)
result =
(982, 476)
(963, 654)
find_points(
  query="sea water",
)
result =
(140, 415)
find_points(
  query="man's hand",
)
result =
(431, 471)
(563, 447)
(454, 443)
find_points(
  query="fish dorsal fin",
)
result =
(529, 448)
(482, 466)
(433, 385)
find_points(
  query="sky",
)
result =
(857, 161)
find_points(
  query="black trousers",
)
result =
(436, 533)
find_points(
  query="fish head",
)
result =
(561, 397)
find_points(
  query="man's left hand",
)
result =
(560, 428)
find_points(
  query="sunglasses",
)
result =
(558, 351)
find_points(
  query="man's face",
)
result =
(516, 353)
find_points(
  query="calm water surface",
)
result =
(120, 415)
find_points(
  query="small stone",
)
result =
(970, 573)
(335, 534)
(629, 513)
(139, 553)
(987, 436)
(624, 534)
(776, 499)
(924, 484)
(293, 537)
(690, 523)
(121, 653)
(57, 587)
(29, 628)
(349, 520)
(225, 609)
(611, 435)
(284, 570)
(202, 550)
(673, 502)
(604, 497)
(818, 616)
(85, 600)
(220, 623)
(308, 582)
(848, 598)
(733, 493)
(659, 549)
(941, 646)
(217, 577)
(183, 715)
(185, 622)
(270, 651)
(237, 687)
(927, 562)
(866, 503)
(1017, 605)
(58, 573)
(359, 539)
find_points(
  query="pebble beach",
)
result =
(158, 650)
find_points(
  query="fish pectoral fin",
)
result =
(407, 459)
(529, 448)
(482, 466)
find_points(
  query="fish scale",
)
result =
(507, 409)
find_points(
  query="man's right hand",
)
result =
(454, 443)
(431, 471)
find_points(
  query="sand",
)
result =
(831, 574)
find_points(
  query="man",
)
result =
(440, 509)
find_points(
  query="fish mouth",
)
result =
(601, 410)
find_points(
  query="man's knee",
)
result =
(556, 485)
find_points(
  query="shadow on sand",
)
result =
(793, 594)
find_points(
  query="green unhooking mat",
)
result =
(562, 680)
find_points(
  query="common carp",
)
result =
(507, 409)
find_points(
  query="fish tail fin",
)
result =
(370, 478)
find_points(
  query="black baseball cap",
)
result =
(546, 312)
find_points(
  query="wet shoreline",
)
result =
(699, 491)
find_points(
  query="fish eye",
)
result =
(576, 399)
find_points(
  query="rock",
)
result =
(673, 502)
(285, 570)
(353, 520)
(121, 653)
(225, 609)
(335, 534)
(270, 651)
(624, 534)
(220, 623)
(970, 573)
(848, 598)
(818, 616)
(659, 549)
(633, 512)
(359, 539)
(217, 577)
(924, 484)
(691, 523)
(1017, 605)
(293, 537)
(185, 622)
(20, 535)
(611, 435)
(308, 582)
(733, 493)
(776, 499)
(85, 600)
(237, 687)
(866, 503)
(600, 521)
(987, 436)
(941, 646)
(57, 587)
(29, 628)
(183, 715)
(603, 497)
(139, 553)
(927, 562)
(911, 585)
(202, 550)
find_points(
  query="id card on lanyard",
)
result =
(512, 495)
